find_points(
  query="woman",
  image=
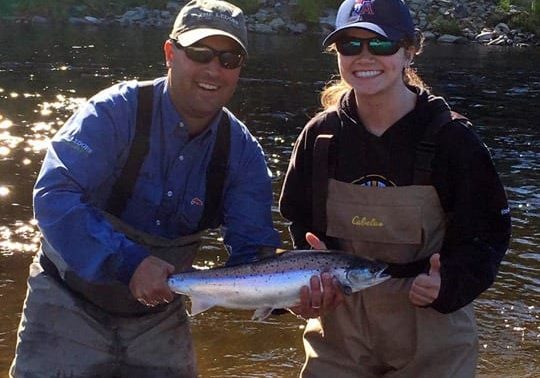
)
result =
(387, 172)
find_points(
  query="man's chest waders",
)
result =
(116, 298)
(378, 332)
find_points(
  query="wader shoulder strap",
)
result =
(123, 187)
(426, 148)
(323, 167)
(320, 181)
(216, 174)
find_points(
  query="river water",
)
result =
(46, 72)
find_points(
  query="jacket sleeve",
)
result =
(80, 160)
(478, 229)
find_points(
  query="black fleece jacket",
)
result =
(478, 228)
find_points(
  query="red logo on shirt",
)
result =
(197, 202)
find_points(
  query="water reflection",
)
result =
(49, 76)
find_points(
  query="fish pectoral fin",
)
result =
(261, 313)
(200, 305)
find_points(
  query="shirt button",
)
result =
(181, 124)
(169, 193)
(181, 157)
(158, 223)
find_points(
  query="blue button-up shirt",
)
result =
(87, 156)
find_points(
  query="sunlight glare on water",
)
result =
(63, 103)
(5, 123)
(4, 191)
(19, 238)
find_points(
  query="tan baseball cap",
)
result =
(199, 19)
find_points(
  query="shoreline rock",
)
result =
(441, 20)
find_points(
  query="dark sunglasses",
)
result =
(376, 46)
(203, 54)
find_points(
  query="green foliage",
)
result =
(529, 22)
(526, 4)
(312, 10)
(305, 10)
(446, 26)
(496, 17)
(535, 7)
(504, 5)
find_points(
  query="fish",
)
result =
(273, 282)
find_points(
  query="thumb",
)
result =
(435, 265)
(314, 241)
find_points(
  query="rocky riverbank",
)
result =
(446, 21)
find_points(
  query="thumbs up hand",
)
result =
(425, 287)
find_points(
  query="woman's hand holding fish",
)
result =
(323, 294)
(149, 282)
(425, 287)
(321, 297)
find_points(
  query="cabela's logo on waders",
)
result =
(365, 222)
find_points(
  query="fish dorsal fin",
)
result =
(200, 305)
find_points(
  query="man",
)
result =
(126, 187)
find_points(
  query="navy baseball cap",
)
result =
(388, 18)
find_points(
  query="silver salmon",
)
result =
(273, 282)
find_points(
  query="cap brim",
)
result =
(192, 36)
(331, 38)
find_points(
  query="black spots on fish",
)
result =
(269, 267)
